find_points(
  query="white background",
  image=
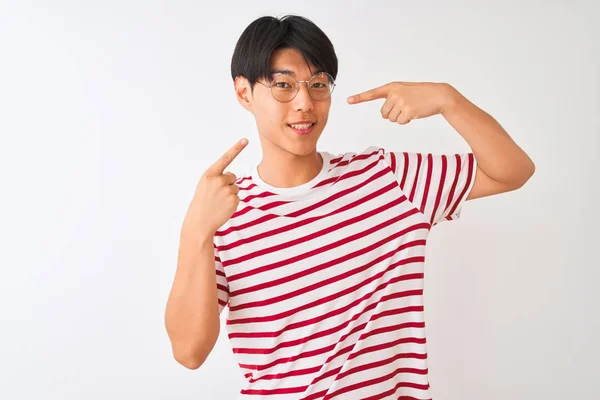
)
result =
(110, 111)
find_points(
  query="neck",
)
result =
(283, 169)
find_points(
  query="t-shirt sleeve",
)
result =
(222, 286)
(436, 184)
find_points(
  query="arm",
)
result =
(502, 165)
(192, 312)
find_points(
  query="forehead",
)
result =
(290, 61)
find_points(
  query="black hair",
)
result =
(252, 54)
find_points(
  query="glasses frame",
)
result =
(270, 86)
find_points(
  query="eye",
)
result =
(282, 85)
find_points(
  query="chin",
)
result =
(304, 150)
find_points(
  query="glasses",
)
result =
(285, 87)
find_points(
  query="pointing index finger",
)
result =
(219, 167)
(377, 93)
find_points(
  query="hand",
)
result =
(216, 197)
(406, 101)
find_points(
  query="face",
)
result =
(273, 118)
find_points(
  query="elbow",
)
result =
(192, 354)
(190, 360)
(528, 172)
(192, 357)
(521, 175)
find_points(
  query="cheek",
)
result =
(276, 116)
(323, 111)
(270, 114)
(270, 120)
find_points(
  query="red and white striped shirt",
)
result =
(324, 281)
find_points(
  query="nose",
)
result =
(303, 101)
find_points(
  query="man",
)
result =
(318, 256)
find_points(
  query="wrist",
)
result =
(197, 236)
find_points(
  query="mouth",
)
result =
(302, 129)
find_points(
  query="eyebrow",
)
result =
(290, 72)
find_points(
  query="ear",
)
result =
(242, 92)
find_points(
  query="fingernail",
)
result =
(244, 141)
(351, 98)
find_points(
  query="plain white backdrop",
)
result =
(110, 111)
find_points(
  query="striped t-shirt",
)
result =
(324, 281)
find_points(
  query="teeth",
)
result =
(302, 127)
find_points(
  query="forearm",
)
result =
(498, 156)
(192, 313)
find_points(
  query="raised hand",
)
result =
(405, 101)
(216, 197)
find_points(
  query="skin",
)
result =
(502, 165)
(290, 159)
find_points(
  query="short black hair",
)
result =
(252, 54)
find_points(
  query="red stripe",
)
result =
(268, 392)
(414, 188)
(387, 345)
(348, 175)
(314, 235)
(252, 186)
(408, 293)
(299, 212)
(465, 187)
(306, 371)
(336, 370)
(257, 221)
(398, 385)
(397, 311)
(427, 182)
(441, 185)
(222, 287)
(326, 349)
(297, 372)
(340, 163)
(306, 221)
(380, 363)
(261, 195)
(242, 180)
(323, 249)
(400, 355)
(404, 170)
(343, 192)
(393, 162)
(330, 331)
(375, 381)
(315, 320)
(271, 318)
(321, 284)
(454, 183)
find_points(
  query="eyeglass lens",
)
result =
(285, 87)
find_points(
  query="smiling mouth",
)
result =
(301, 126)
(302, 129)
